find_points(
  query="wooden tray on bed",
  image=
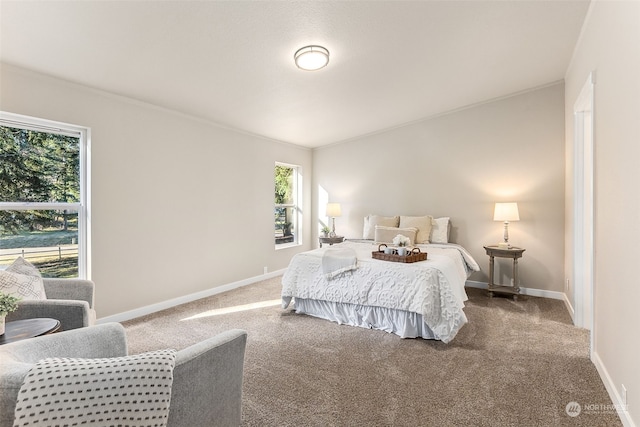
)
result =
(414, 256)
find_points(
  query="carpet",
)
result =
(516, 363)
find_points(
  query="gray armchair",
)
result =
(207, 378)
(68, 300)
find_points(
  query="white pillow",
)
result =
(440, 230)
(130, 390)
(422, 223)
(23, 280)
(371, 221)
(386, 234)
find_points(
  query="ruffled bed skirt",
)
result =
(403, 323)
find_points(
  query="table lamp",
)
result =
(506, 212)
(333, 211)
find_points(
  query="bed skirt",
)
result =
(403, 323)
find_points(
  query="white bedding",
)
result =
(430, 291)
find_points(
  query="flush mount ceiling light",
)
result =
(311, 58)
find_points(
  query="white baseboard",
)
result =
(142, 311)
(620, 408)
(533, 292)
(524, 291)
(570, 309)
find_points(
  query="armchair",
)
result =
(68, 300)
(207, 378)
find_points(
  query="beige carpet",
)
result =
(514, 364)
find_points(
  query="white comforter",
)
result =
(433, 288)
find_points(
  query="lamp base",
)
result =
(504, 245)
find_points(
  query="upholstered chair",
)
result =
(68, 300)
(207, 377)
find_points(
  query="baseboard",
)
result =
(618, 404)
(524, 291)
(533, 292)
(570, 309)
(143, 311)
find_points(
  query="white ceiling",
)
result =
(231, 62)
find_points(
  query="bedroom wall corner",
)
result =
(459, 165)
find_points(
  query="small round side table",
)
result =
(28, 328)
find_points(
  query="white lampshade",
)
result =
(311, 58)
(333, 210)
(506, 212)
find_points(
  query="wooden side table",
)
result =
(513, 253)
(331, 240)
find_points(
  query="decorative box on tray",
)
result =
(413, 255)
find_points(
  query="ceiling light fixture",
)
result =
(311, 58)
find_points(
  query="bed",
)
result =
(421, 299)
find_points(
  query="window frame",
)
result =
(82, 208)
(296, 205)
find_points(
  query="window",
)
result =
(287, 212)
(43, 195)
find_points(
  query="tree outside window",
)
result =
(42, 204)
(286, 209)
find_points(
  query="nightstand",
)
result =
(330, 240)
(501, 252)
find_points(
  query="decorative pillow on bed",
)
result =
(440, 230)
(23, 280)
(422, 223)
(386, 234)
(371, 221)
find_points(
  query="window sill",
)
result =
(287, 245)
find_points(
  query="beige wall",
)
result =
(179, 205)
(610, 46)
(459, 165)
(165, 212)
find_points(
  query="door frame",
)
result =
(583, 207)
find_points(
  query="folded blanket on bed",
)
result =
(336, 261)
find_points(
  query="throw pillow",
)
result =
(131, 390)
(386, 234)
(422, 223)
(371, 221)
(23, 280)
(440, 230)
(22, 266)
